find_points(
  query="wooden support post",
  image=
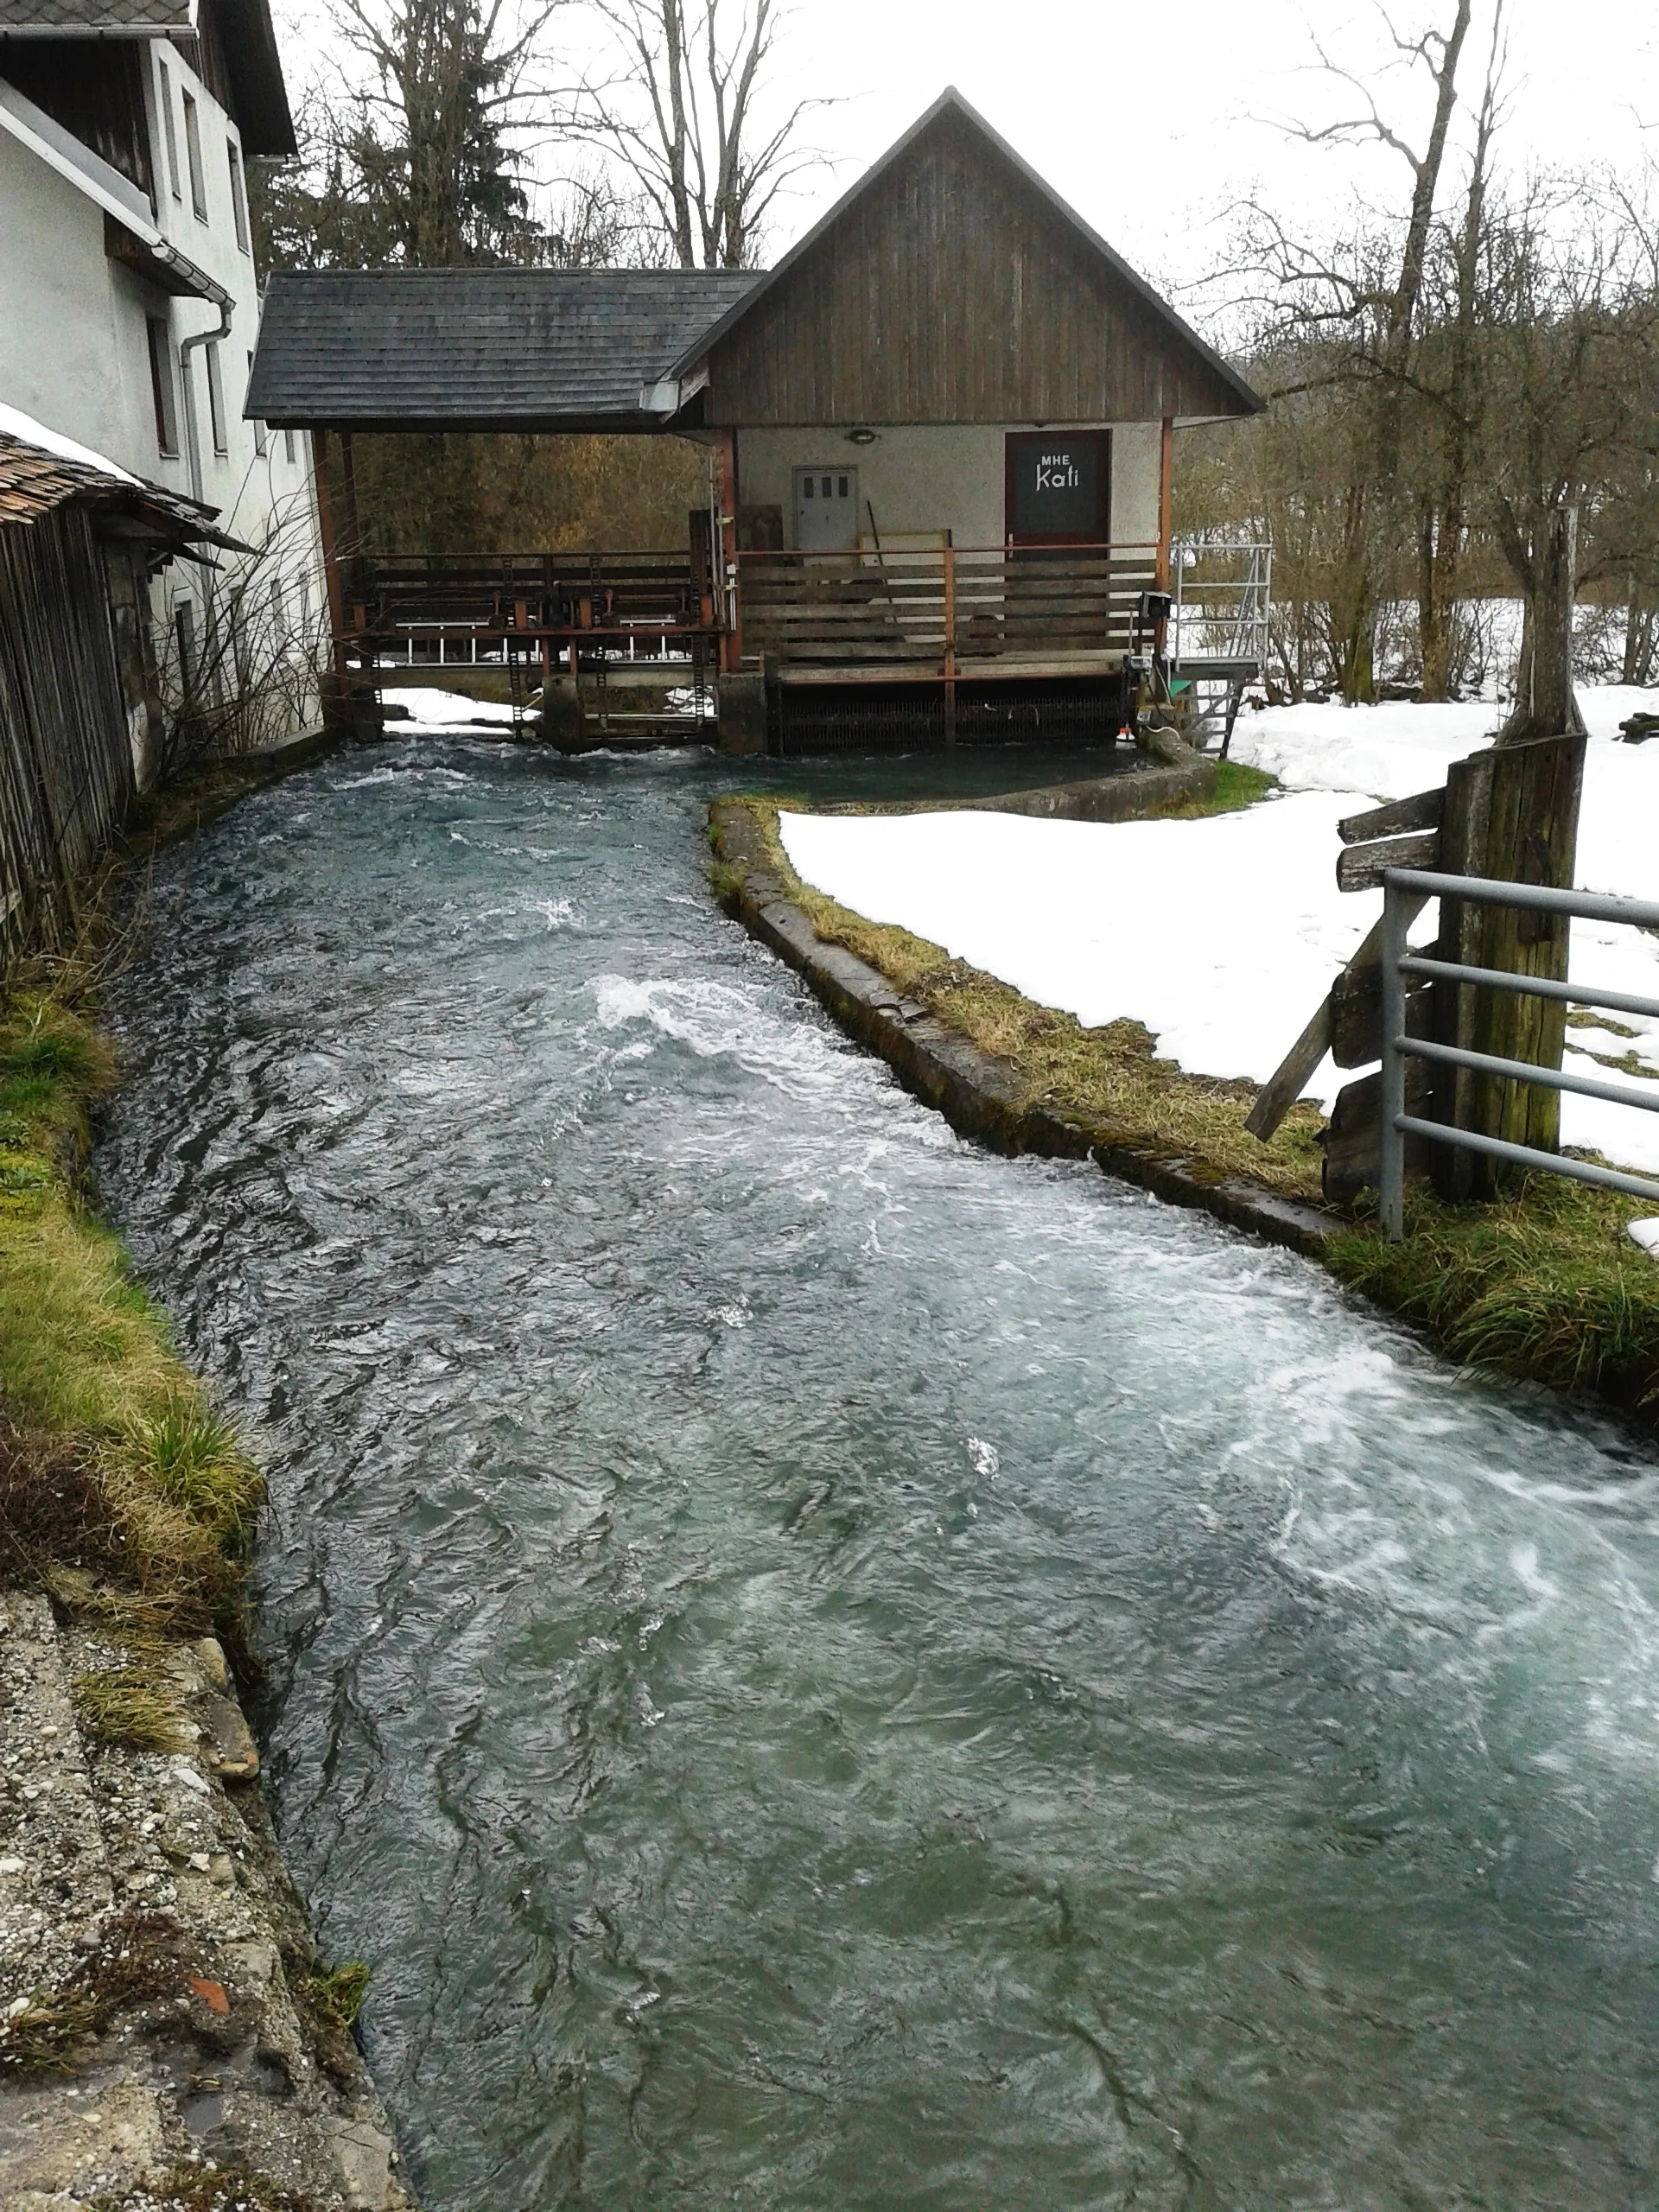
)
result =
(950, 644)
(1165, 500)
(1511, 814)
(330, 557)
(726, 584)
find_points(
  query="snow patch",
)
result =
(436, 709)
(1223, 935)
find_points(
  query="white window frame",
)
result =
(261, 433)
(216, 398)
(193, 155)
(158, 336)
(169, 128)
(239, 195)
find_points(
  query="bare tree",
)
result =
(1573, 350)
(1451, 376)
(1362, 308)
(681, 117)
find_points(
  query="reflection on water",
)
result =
(827, 1669)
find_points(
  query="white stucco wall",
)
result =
(73, 352)
(74, 349)
(927, 478)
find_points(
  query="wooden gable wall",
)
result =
(952, 291)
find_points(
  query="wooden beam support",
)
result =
(330, 558)
(731, 655)
(1165, 500)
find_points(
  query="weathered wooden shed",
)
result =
(79, 704)
(942, 428)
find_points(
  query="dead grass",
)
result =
(124, 1705)
(141, 1959)
(1110, 1076)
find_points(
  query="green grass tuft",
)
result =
(1543, 1283)
(343, 1989)
(160, 1504)
(119, 1705)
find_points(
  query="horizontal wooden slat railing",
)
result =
(943, 612)
(563, 596)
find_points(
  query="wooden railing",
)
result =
(944, 612)
(935, 611)
(601, 599)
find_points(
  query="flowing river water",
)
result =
(826, 1668)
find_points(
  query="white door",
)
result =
(826, 510)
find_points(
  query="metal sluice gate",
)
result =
(913, 717)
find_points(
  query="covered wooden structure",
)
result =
(941, 433)
(79, 705)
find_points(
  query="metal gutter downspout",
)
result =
(226, 310)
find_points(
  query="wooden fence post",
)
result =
(1512, 815)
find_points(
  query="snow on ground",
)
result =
(436, 709)
(1223, 935)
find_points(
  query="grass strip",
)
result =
(1544, 1284)
(121, 1490)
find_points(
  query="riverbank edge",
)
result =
(170, 2040)
(981, 1095)
(1542, 1286)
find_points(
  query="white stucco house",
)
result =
(130, 306)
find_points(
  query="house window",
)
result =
(161, 383)
(239, 194)
(216, 398)
(289, 452)
(261, 436)
(169, 128)
(184, 632)
(192, 155)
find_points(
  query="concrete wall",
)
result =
(74, 350)
(925, 480)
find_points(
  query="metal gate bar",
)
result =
(1404, 891)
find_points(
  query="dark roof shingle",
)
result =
(478, 348)
(34, 481)
(69, 16)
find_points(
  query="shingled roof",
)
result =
(484, 349)
(34, 480)
(65, 18)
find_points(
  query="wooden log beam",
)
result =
(1285, 1085)
(1361, 867)
(1424, 810)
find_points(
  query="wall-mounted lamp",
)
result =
(861, 437)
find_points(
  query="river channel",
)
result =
(827, 1668)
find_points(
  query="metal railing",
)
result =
(1223, 592)
(1404, 891)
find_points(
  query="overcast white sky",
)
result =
(1152, 119)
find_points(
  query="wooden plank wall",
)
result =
(66, 755)
(952, 291)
